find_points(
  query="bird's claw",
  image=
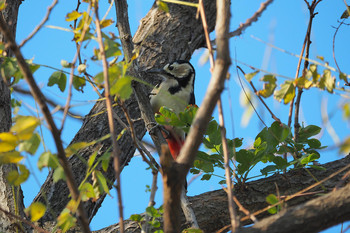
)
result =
(152, 126)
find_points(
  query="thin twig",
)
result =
(39, 97)
(77, 54)
(297, 194)
(333, 49)
(306, 45)
(254, 18)
(201, 11)
(38, 27)
(51, 102)
(116, 149)
(261, 99)
(221, 10)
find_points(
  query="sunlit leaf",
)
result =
(163, 6)
(47, 159)
(345, 146)
(58, 174)
(17, 177)
(36, 210)
(269, 85)
(73, 16)
(250, 76)
(136, 217)
(106, 22)
(66, 221)
(2, 5)
(30, 145)
(24, 126)
(87, 192)
(79, 83)
(58, 78)
(122, 88)
(327, 81)
(10, 157)
(286, 93)
(303, 82)
(75, 147)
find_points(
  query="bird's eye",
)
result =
(170, 67)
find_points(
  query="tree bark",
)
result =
(11, 197)
(300, 214)
(160, 38)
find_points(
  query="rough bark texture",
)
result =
(11, 197)
(160, 38)
(212, 212)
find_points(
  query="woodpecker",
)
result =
(176, 92)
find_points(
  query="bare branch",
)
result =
(116, 149)
(39, 97)
(38, 27)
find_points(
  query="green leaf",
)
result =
(105, 160)
(16, 178)
(65, 220)
(122, 88)
(58, 174)
(47, 159)
(280, 162)
(75, 147)
(152, 212)
(269, 85)
(206, 177)
(250, 76)
(303, 82)
(36, 210)
(327, 81)
(30, 145)
(280, 132)
(136, 217)
(308, 131)
(102, 182)
(270, 168)
(314, 143)
(79, 83)
(58, 78)
(286, 93)
(272, 199)
(73, 16)
(87, 192)
(343, 77)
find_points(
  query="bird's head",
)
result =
(182, 71)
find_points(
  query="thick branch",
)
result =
(212, 212)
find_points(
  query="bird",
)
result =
(176, 92)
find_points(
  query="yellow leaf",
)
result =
(24, 126)
(8, 137)
(5, 146)
(10, 157)
(74, 148)
(73, 16)
(106, 22)
(36, 211)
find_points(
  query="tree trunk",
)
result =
(11, 197)
(159, 39)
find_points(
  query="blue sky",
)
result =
(283, 25)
